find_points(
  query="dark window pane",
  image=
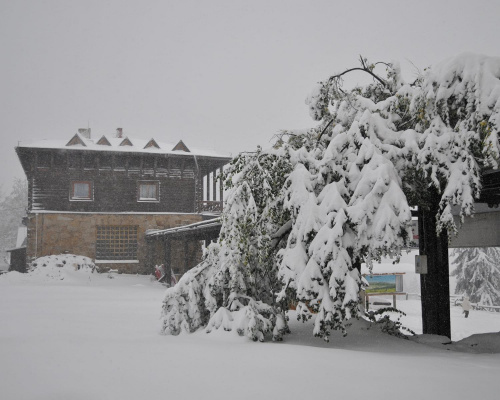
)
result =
(116, 242)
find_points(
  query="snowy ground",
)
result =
(478, 321)
(79, 335)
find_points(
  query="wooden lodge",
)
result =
(99, 197)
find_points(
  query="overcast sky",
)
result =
(225, 75)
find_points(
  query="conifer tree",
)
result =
(303, 215)
(478, 274)
(12, 210)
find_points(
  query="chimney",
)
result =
(119, 133)
(85, 132)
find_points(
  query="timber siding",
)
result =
(114, 189)
(111, 191)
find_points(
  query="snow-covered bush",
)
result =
(302, 216)
(392, 326)
(61, 267)
(62, 261)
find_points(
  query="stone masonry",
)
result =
(56, 233)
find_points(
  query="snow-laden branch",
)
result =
(301, 216)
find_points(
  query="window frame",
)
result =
(117, 243)
(147, 199)
(72, 196)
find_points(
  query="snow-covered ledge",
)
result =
(116, 261)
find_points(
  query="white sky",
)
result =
(217, 74)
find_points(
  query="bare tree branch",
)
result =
(363, 68)
(280, 233)
(324, 130)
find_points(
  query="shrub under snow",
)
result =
(56, 268)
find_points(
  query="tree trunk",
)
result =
(435, 285)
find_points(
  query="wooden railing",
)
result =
(210, 206)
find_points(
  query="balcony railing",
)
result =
(210, 206)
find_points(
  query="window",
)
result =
(148, 191)
(81, 190)
(116, 243)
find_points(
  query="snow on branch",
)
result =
(301, 216)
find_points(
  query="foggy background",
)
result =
(223, 75)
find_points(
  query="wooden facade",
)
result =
(128, 184)
(115, 179)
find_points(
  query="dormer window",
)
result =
(81, 190)
(103, 141)
(148, 191)
(152, 143)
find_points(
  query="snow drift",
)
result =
(68, 267)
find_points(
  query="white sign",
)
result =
(420, 264)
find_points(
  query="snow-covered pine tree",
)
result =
(304, 214)
(236, 282)
(439, 132)
(12, 210)
(346, 205)
(478, 274)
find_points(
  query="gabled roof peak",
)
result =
(103, 141)
(181, 146)
(151, 143)
(76, 140)
(110, 143)
(126, 142)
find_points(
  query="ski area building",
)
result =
(99, 197)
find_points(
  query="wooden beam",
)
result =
(214, 186)
(168, 261)
(478, 231)
(186, 255)
(221, 186)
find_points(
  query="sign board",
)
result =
(420, 264)
(384, 283)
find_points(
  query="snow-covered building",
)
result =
(98, 197)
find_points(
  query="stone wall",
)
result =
(75, 233)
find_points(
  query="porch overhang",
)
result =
(198, 231)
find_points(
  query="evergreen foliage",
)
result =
(12, 210)
(478, 274)
(303, 215)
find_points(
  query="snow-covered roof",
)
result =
(125, 144)
(22, 234)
